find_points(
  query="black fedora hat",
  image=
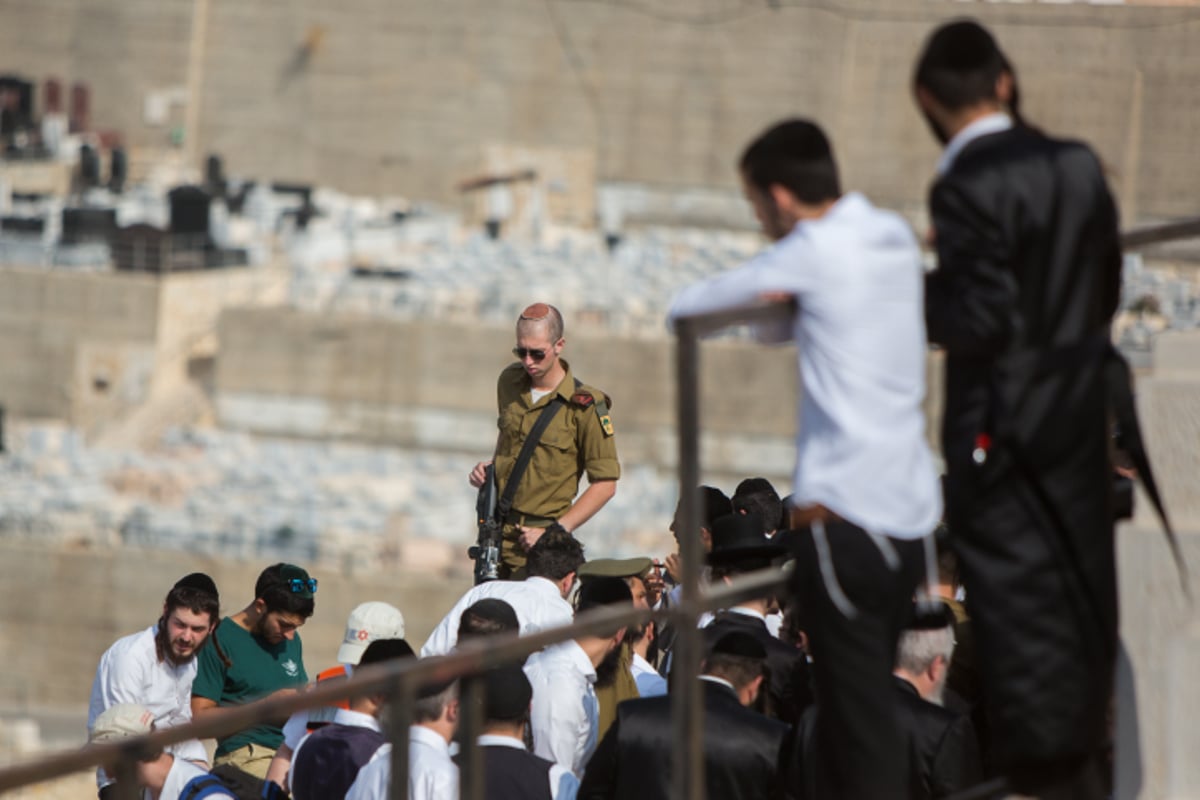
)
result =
(738, 540)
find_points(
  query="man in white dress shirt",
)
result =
(155, 667)
(865, 490)
(163, 776)
(539, 600)
(565, 715)
(432, 774)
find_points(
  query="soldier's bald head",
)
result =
(542, 314)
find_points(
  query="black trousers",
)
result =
(857, 750)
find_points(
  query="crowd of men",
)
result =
(867, 677)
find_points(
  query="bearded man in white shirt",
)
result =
(154, 668)
(864, 490)
(565, 715)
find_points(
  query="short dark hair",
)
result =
(273, 589)
(555, 555)
(487, 617)
(757, 495)
(195, 600)
(960, 65)
(600, 593)
(713, 504)
(796, 155)
(382, 650)
(738, 670)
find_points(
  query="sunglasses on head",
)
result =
(536, 355)
(302, 585)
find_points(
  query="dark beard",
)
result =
(162, 645)
(606, 670)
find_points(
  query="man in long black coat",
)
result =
(739, 547)
(742, 748)
(1027, 282)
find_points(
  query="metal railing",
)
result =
(401, 681)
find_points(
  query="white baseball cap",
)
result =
(366, 623)
(122, 721)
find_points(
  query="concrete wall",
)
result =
(88, 347)
(433, 384)
(60, 610)
(387, 96)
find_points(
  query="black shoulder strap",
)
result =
(523, 458)
(1120, 395)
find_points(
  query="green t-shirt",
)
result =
(257, 670)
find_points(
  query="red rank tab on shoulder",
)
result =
(584, 400)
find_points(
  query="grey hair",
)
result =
(917, 649)
(429, 709)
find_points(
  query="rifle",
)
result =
(491, 512)
(486, 551)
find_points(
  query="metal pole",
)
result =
(125, 774)
(687, 711)
(470, 723)
(400, 718)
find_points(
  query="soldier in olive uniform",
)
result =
(578, 440)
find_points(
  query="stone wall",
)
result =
(402, 96)
(63, 608)
(90, 347)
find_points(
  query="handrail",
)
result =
(402, 680)
(1157, 234)
(470, 657)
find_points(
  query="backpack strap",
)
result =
(203, 786)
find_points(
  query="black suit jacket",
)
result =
(789, 687)
(942, 748)
(742, 751)
(1027, 282)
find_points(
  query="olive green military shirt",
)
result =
(578, 440)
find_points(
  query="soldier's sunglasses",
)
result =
(536, 355)
(302, 586)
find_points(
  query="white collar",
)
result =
(720, 681)
(344, 716)
(427, 736)
(544, 585)
(573, 652)
(985, 125)
(642, 665)
(748, 612)
(496, 740)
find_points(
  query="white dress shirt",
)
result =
(537, 601)
(130, 672)
(182, 772)
(342, 716)
(649, 682)
(565, 715)
(984, 126)
(432, 774)
(860, 332)
(563, 783)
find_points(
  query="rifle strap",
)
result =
(526, 455)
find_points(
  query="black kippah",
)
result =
(962, 46)
(198, 581)
(930, 616)
(508, 693)
(742, 645)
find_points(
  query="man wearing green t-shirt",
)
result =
(254, 654)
